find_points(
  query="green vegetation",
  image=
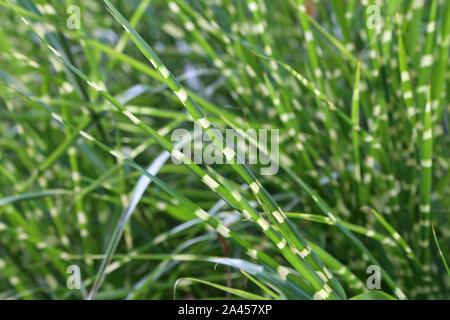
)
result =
(91, 91)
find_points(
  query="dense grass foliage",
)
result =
(91, 91)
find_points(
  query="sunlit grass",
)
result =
(358, 91)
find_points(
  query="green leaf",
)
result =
(373, 295)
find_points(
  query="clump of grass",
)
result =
(362, 112)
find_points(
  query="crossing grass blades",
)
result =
(91, 91)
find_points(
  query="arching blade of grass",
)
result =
(444, 262)
(33, 195)
(261, 285)
(256, 272)
(356, 228)
(237, 292)
(422, 272)
(398, 238)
